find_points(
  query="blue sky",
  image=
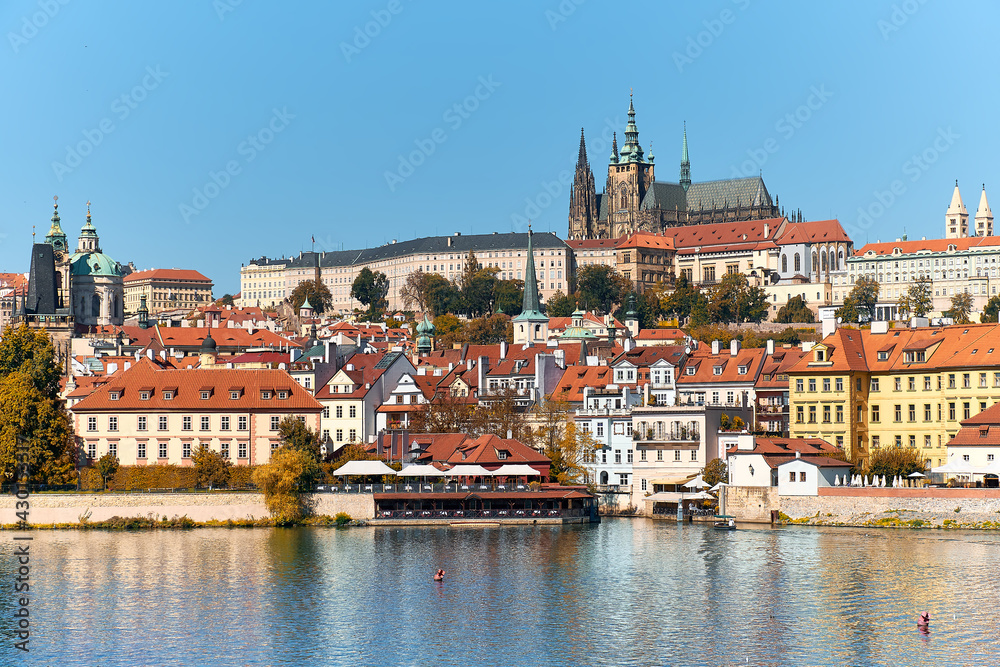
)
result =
(208, 133)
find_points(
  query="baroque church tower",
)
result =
(583, 211)
(629, 177)
(956, 217)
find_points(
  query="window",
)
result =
(353, 435)
(716, 370)
(340, 411)
(875, 441)
(340, 435)
(677, 455)
(659, 454)
(163, 450)
(326, 412)
(600, 431)
(114, 395)
(839, 384)
(874, 384)
(628, 455)
(224, 423)
(927, 412)
(951, 412)
(911, 383)
(966, 381)
(143, 395)
(927, 441)
(140, 450)
(897, 413)
(791, 476)
(352, 411)
(112, 423)
(913, 441)
(186, 424)
(186, 450)
(802, 476)
(951, 380)
(826, 384)
(912, 412)
(875, 414)
(644, 481)
(927, 383)
(812, 385)
(224, 447)
(91, 423)
(265, 395)
(642, 454)
(241, 450)
(965, 457)
(205, 423)
(141, 424)
(168, 395)
(966, 411)
(898, 384)
(799, 414)
(205, 395)
(282, 395)
(694, 454)
(899, 441)
(275, 420)
(857, 384)
(618, 456)
(234, 396)
(162, 425)
(812, 414)
(982, 380)
(826, 414)
(840, 414)
(799, 384)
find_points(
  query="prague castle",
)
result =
(633, 200)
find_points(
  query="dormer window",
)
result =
(234, 395)
(143, 395)
(716, 370)
(168, 395)
(205, 395)
(914, 356)
(742, 370)
(282, 395)
(690, 370)
(883, 356)
(114, 395)
(502, 454)
(820, 355)
(265, 395)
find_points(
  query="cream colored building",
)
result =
(167, 289)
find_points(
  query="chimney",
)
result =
(770, 347)
(715, 346)
(503, 350)
(798, 454)
(734, 347)
(767, 230)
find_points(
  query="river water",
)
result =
(626, 592)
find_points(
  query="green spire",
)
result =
(530, 310)
(685, 162)
(56, 236)
(631, 150)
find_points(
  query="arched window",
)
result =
(784, 263)
(823, 260)
(833, 261)
(95, 305)
(604, 477)
(624, 198)
(798, 263)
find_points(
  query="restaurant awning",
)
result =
(672, 480)
(516, 470)
(420, 470)
(468, 470)
(666, 497)
(364, 468)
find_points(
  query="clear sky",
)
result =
(208, 133)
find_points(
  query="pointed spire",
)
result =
(614, 147)
(56, 236)
(956, 217)
(530, 304)
(685, 179)
(984, 216)
(956, 205)
(631, 150)
(581, 160)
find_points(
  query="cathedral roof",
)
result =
(93, 264)
(732, 191)
(667, 196)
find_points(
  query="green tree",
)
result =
(448, 330)
(509, 296)
(30, 352)
(916, 300)
(961, 308)
(213, 468)
(735, 300)
(294, 434)
(490, 330)
(225, 300)
(893, 461)
(795, 310)
(284, 481)
(479, 294)
(370, 288)
(859, 304)
(992, 310)
(600, 288)
(560, 305)
(699, 311)
(681, 301)
(443, 296)
(318, 294)
(106, 467)
(716, 472)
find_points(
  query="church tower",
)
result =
(956, 217)
(583, 213)
(60, 251)
(629, 177)
(685, 179)
(984, 216)
(532, 325)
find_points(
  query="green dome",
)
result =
(93, 264)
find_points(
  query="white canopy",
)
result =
(420, 470)
(364, 468)
(465, 470)
(718, 486)
(516, 470)
(959, 468)
(916, 475)
(696, 483)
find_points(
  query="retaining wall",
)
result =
(45, 508)
(923, 507)
(751, 503)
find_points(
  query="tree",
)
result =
(961, 308)
(681, 301)
(560, 305)
(443, 296)
(893, 461)
(283, 481)
(735, 300)
(716, 472)
(448, 330)
(212, 467)
(225, 300)
(370, 288)
(318, 294)
(992, 310)
(414, 290)
(294, 434)
(795, 310)
(490, 330)
(106, 467)
(32, 415)
(916, 300)
(699, 311)
(509, 296)
(859, 304)
(568, 447)
(600, 288)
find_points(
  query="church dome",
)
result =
(208, 345)
(93, 264)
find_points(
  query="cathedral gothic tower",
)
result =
(583, 212)
(629, 177)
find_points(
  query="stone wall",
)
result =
(923, 507)
(46, 508)
(751, 503)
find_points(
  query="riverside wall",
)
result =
(911, 508)
(49, 508)
(752, 504)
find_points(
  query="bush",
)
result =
(156, 476)
(342, 518)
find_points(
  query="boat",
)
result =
(725, 522)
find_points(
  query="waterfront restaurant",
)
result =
(546, 503)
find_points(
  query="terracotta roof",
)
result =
(783, 360)
(661, 334)
(167, 274)
(227, 337)
(705, 364)
(575, 378)
(645, 356)
(930, 245)
(189, 384)
(820, 461)
(741, 235)
(779, 447)
(646, 240)
(814, 231)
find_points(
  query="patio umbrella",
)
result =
(421, 470)
(696, 483)
(702, 495)
(916, 475)
(718, 486)
(364, 468)
(467, 470)
(516, 470)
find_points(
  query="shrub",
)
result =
(342, 518)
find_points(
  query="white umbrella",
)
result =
(718, 486)
(516, 470)
(364, 468)
(421, 470)
(916, 475)
(696, 483)
(836, 480)
(702, 495)
(467, 470)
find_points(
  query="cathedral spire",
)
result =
(614, 148)
(581, 160)
(56, 236)
(685, 162)
(532, 325)
(530, 304)
(984, 216)
(956, 217)
(631, 150)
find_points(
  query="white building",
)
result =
(804, 476)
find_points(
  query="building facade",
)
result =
(167, 289)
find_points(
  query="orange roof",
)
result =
(232, 337)
(146, 376)
(705, 364)
(575, 378)
(167, 274)
(783, 359)
(932, 245)
(741, 235)
(814, 231)
(646, 240)
(661, 334)
(593, 244)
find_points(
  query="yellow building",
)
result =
(167, 289)
(895, 387)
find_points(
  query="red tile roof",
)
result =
(814, 231)
(167, 274)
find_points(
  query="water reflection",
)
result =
(622, 593)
